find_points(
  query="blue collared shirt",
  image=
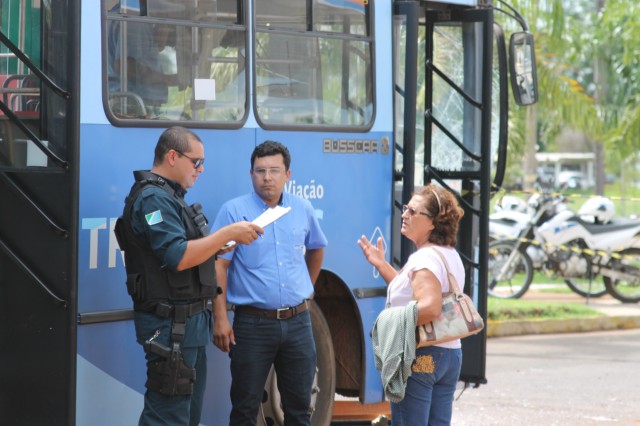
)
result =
(271, 272)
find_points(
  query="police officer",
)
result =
(169, 257)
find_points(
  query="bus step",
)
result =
(354, 413)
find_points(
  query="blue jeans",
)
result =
(428, 398)
(288, 345)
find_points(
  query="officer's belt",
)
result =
(282, 313)
(186, 310)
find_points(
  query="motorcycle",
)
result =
(516, 253)
(592, 244)
(510, 217)
(576, 247)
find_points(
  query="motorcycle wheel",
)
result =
(628, 263)
(582, 287)
(517, 278)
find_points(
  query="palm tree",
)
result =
(589, 78)
(562, 99)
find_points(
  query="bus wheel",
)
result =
(324, 382)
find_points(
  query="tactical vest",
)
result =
(148, 282)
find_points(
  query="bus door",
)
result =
(443, 121)
(38, 210)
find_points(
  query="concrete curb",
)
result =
(573, 325)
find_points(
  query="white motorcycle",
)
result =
(576, 247)
(592, 243)
(511, 215)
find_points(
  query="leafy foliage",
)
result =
(588, 73)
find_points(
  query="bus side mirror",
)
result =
(522, 67)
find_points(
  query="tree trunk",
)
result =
(600, 80)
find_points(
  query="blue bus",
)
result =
(372, 97)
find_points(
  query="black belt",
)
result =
(282, 313)
(168, 309)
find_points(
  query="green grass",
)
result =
(627, 201)
(616, 190)
(515, 309)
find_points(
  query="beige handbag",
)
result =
(459, 317)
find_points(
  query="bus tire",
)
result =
(324, 382)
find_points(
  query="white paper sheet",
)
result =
(271, 215)
(267, 218)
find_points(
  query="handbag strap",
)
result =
(453, 283)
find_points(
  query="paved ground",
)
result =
(540, 377)
(569, 379)
(616, 316)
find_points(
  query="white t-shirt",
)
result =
(400, 291)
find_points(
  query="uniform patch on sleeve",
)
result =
(153, 218)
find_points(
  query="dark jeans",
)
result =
(287, 345)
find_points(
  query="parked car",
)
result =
(545, 178)
(572, 180)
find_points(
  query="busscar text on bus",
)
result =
(373, 98)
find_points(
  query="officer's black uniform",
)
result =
(171, 318)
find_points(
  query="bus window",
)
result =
(23, 93)
(185, 61)
(448, 104)
(313, 64)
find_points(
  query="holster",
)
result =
(171, 376)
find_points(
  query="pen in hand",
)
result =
(245, 218)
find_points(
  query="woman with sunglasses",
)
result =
(430, 219)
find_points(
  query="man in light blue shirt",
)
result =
(269, 283)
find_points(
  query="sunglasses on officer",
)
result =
(197, 162)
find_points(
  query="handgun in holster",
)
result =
(170, 376)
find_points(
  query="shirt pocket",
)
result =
(296, 242)
(256, 254)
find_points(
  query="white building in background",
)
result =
(571, 169)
